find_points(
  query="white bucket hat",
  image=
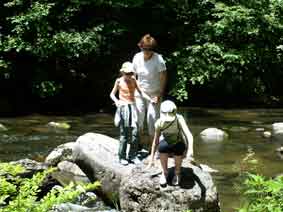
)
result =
(127, 67)
(168, 111)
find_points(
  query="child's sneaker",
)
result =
(123, 162)
(162, 180)
(176, 179)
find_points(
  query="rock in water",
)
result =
(213, 134)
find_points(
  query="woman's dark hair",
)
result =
(147, 42)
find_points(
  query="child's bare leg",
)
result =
(164, 163)
(178, 164)
(164, 166)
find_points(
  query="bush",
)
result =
(259, 193)
(20, 194)
(263, 195)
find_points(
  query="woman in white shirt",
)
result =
(150, 70)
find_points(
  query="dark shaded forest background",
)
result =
(63, 56)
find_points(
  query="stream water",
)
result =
(30, 137)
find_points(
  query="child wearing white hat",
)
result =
(126, 112)
(172, 136)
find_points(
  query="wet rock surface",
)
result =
(137, 188)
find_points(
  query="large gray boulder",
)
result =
(67, 166)
(60, 153)
(96, 155)
(137, 188)
(140, 191)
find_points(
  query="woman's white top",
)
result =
(148, 72)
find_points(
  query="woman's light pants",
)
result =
(147, 111)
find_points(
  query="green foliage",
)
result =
(235, 44)
(194, 66)
(240, 42)
(33, 31)
(20, 194)
(3, 65)
(259, 194)
(33, 20)
(46, 88)
(49, 32)
(250, 164)
(6, 190)
(74, 44)
(7, 168)
(263, 195)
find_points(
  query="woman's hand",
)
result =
(155, 99)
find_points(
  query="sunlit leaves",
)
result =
(33, 33)
(238, 42)
(263, 195)
(46, 88)
(21, 194)
(4, 69)
(6, 168)
(212, 40)
(70, 44)
(33, 16)
(199, 64)
(234, 20)
(14, 3)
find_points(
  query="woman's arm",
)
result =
(143, 94)
(188, 135)
(163, 81)
(113, 93)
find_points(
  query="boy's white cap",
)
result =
(168, 111)
(127, 67)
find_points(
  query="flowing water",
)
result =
(30, 137)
